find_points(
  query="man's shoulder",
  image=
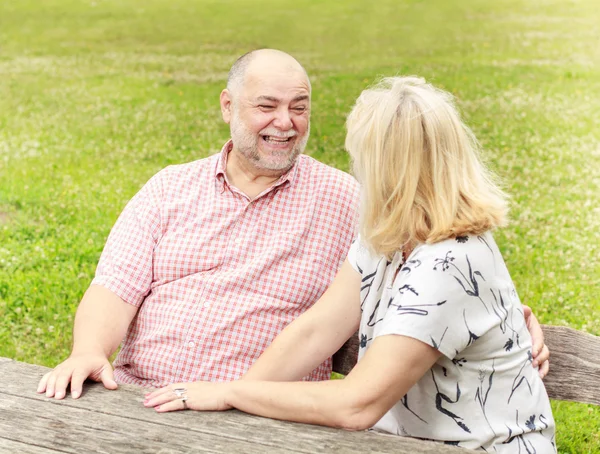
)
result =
(186, 173)
(328, 176)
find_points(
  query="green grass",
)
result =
(96, 96)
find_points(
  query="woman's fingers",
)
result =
(159, 392)
(174, 405)
(160, 399)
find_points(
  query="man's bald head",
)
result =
(255, 61)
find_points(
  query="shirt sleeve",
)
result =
(442, 297)
(125, 266)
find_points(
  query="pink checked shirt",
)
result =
(217, 276)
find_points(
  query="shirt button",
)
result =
(191, 344)
(206, 304)
(237, 240)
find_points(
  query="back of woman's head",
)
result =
(419, 168)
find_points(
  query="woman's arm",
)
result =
(315, 335)
(390, 367)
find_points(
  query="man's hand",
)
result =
(205, 396)
(100, 324)
(540, 351)
(75, 369)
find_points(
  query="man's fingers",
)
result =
(527, 311)
(542, 356)
(60, 386)
(51, 383)
(544, 369)
(42, 384)
(537, 335)
(77, 380)
(107, 378)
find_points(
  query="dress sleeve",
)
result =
(356, 255)
(442, 297)
(125, 266)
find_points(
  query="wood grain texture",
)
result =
(574, 363)
(116, 422)
(11, 446)
(347, 356)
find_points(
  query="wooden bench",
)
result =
(117, 422)
(574, 363)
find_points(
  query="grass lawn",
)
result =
(97, 96)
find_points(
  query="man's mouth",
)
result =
(277, 140)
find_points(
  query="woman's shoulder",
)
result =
(361, 255)
(474, 250)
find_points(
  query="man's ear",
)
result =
(226, 105)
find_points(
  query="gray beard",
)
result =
(247, 144)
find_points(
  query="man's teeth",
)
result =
(277, 139)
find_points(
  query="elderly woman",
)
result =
(444, 350)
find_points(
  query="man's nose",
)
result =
(283, 120)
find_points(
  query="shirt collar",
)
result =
(221, 168)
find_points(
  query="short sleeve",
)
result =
(358, 255)
(125, 266)
(352, 255)
(442, 298)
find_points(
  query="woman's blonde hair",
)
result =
(418, 164)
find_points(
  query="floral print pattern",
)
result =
(457, 296)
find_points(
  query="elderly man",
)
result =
(212, 259)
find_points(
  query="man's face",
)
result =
(270, 120)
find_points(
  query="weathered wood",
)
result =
(67, 429)
(116, 421)
(347, 356)
(10, 446)
(574, 363)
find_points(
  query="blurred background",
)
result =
(97, 96)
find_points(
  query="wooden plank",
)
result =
(70, 430)
(10, 446)
(347, 356)
(574, 365)
(75, 430)
(266, 435)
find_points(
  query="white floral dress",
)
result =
(457, 296)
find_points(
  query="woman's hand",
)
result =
(206, 396)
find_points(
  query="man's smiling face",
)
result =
(270, 116)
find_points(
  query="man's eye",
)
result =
(264, 106)
(299, 109)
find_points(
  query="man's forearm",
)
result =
(101, 322)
